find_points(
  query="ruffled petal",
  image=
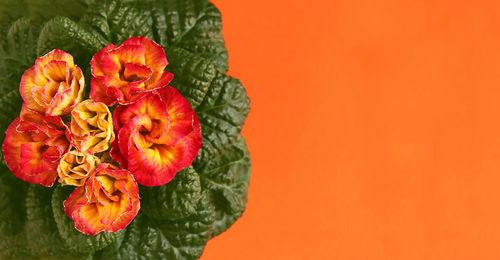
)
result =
(97, 60)
(98, 92)
(154, 56)
(26, 88)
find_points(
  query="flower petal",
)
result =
(154, 56)
(57, 55)
(181, 115)
(56, 70)
(90, 219)
(97, 59)
(136, 72)
(26, 88)
(126, 54)
(98, 92)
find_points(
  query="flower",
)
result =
(92, 127)
(157, 136)
(33, 146)
(54, 85)
(75, 167)
(128, 72)
(108, 201)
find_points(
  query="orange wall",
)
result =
(374, 130)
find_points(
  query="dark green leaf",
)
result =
(40, 10)
(75, 240)
(13, 242)
(17, 53)
(222, 114)
(194, 25)
(225, 179)
(10, 106)
(11, 10)
(41, 229)
(62, 33)
(176, 199)
(192, 74)
(45, 9)
(117, 21)
(154, 239)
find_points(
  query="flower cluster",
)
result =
(103, 150)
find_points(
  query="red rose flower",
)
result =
(127, 72)
(108, 201)
(157, 136)
(54, 85)
(34, 145)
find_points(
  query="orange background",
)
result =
(374, 130)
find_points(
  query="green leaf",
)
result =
(117, 21)
(222, 114)
(192, 74)
(40, 10)
(41, 229)
(75, 240)
(156, 239)
(194, 25)
(17, 53)
(10, 106)
(11, 10)
(63, 33)
(45, 9)
(174, 200)
(225, 179)
(13, 242)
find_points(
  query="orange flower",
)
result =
(33, 146)
(157, 136)
(108, 201)
(54, 85)
(92, 127)
(128, 72)
(75, 167)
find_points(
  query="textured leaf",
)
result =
(222, 114)
(176, 199)
(41, 229)
(17, 53)
(13, 241)
(225, 179)
(192, 74)
(10, 106)
(155, 239)
(11, 10)
(194, 25)
(46, 9)
(117, 21)
(75, 240)
(63, 33)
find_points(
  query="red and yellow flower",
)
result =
(92, 127)
(54, 85)
(153, 133)
(33, 146)
(75, 167)
(108, 201)
(128, 72)
(157, 136)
